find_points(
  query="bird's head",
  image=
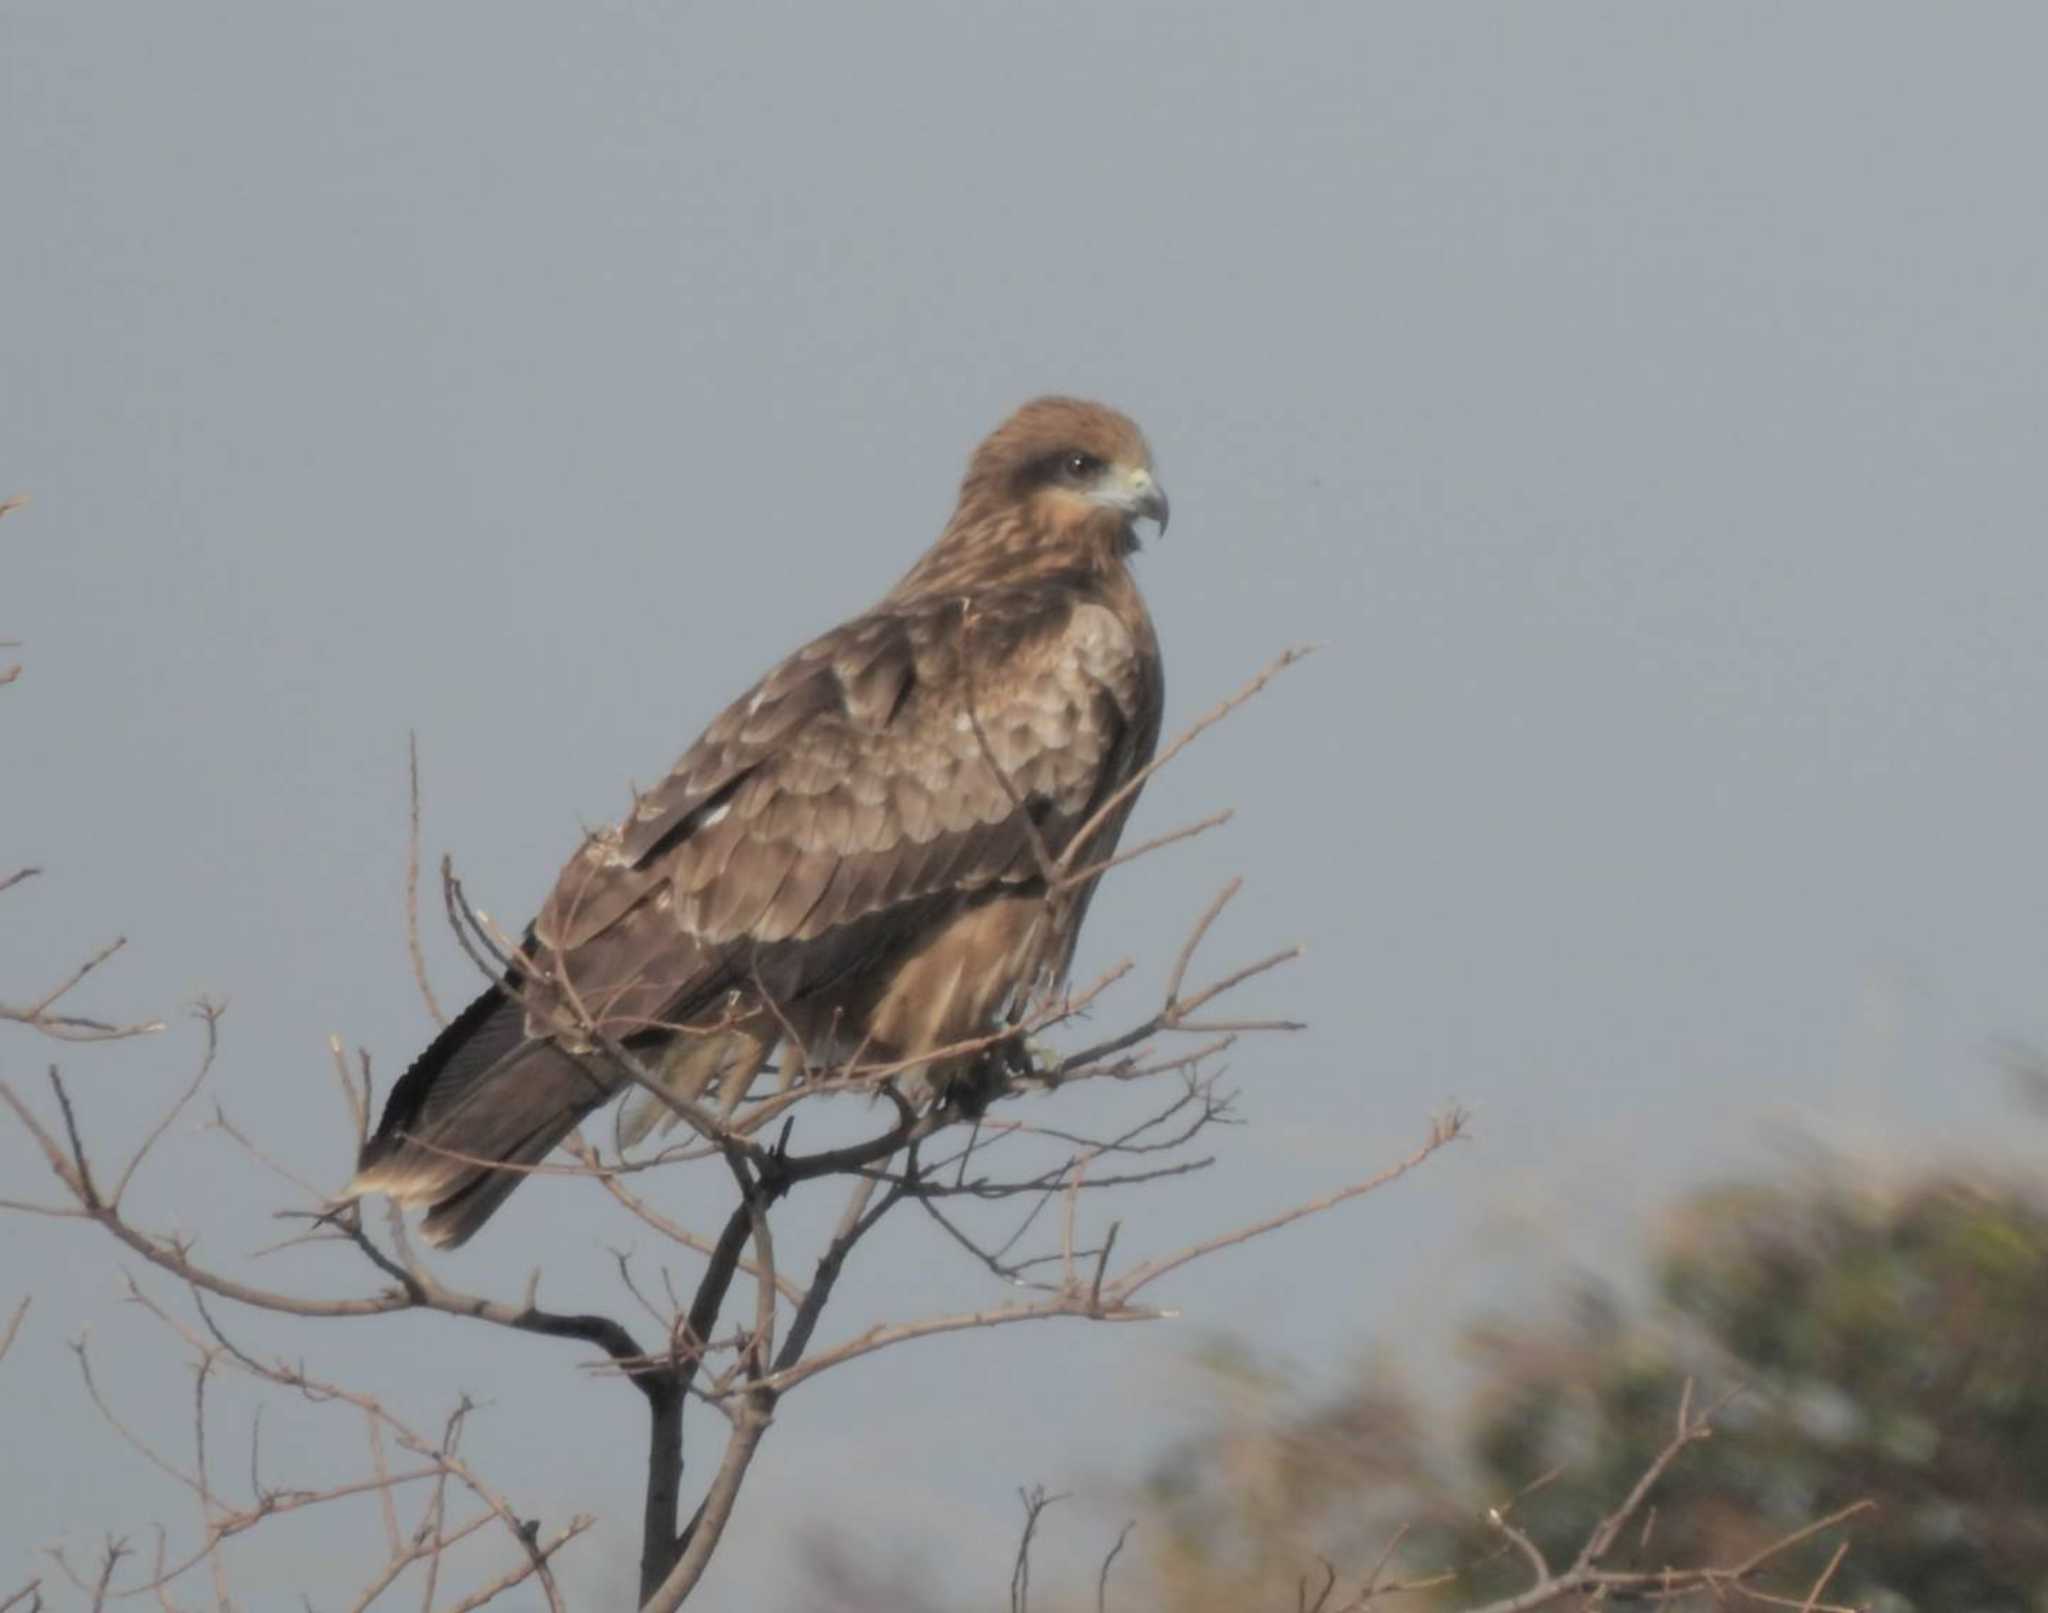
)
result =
(1076, 469)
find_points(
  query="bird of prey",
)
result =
(854, 857)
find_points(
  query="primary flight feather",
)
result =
(837, 860)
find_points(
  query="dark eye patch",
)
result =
(1065, 467)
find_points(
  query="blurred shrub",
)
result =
(1888, 1344)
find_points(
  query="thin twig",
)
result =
(72, 1027)
(13, 1327)
(412, 878)
(1102, 1579)
(208, 1013)
(1035, 1500)
(1121, 797)
(1445, 1130)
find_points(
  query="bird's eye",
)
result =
(1081, 467)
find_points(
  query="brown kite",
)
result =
(838, 862)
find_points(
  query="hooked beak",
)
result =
(1145, 498)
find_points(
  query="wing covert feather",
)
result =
(851, 779)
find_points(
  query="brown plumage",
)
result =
(835, 860)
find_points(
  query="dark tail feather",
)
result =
(483, 1090)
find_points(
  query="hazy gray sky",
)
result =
(1642, 405)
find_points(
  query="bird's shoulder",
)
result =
(883, 687)
(881, 731)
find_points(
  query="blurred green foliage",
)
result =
(1887, 1344)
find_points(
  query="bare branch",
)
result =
(607, 1177)
(751, 1367)
(1145, 848)
(412, 879)
(442, 1453)
(1585, 1580)
(756, 1411)
(13, 1327)
(39, 1015)
(1812, 1601)
(1690, 1431)
(1445, 1130)
(7, 675)
(208, 1013)
(1107, 812)
(1035, 1502)
(1102, 1579)
(538, 1557)
(1531, 1552)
